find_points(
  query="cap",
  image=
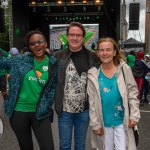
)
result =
(147, 55)
(14, 51)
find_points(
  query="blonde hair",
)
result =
(122, 53)
(117, 58)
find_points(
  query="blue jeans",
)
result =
(66, 122)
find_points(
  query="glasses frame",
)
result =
(72, 35)
(37, 42)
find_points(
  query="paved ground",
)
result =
(9, 142)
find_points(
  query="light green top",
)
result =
(130, 60)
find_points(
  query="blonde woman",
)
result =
(114, 107)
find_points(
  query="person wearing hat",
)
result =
(147, 59)
(140, 62)
(14, 51)
(145, 88)
(131, 58)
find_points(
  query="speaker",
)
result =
(2, 22)
(134, 12)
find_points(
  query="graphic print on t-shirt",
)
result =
(74, 91)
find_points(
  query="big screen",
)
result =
(58, 38)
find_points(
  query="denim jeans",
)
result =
(67, 121)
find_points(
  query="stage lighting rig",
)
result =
(37, 3)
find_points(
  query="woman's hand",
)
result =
(132, 123)
(99, 131)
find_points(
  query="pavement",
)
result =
(8, 140)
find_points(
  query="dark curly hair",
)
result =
(30, 33)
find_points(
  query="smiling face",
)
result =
(75, 38)
(38, 44)
(106, 52)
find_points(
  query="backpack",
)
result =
(137, 71)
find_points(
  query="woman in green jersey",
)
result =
(31, 93)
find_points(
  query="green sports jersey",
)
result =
(31, 87)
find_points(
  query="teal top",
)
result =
(112, 107)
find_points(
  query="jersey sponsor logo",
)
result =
(35, 79)
(38, 73)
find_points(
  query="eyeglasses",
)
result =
(37, 42)
(75, 35)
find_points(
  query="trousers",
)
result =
(23, 123)
(115, 137)
(69, 121)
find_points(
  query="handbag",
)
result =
(136, 135)
(135, 129)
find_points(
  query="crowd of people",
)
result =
(87, 88)
(140, 65)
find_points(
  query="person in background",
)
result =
(24, 50)
(3, 76)
(114, 107)
(145, 87)
(71, 101)
(131, 58)
(31, 93)
(140, 62)
(14, 52)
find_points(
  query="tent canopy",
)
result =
(132, 44)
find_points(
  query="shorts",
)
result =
(3, 83)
